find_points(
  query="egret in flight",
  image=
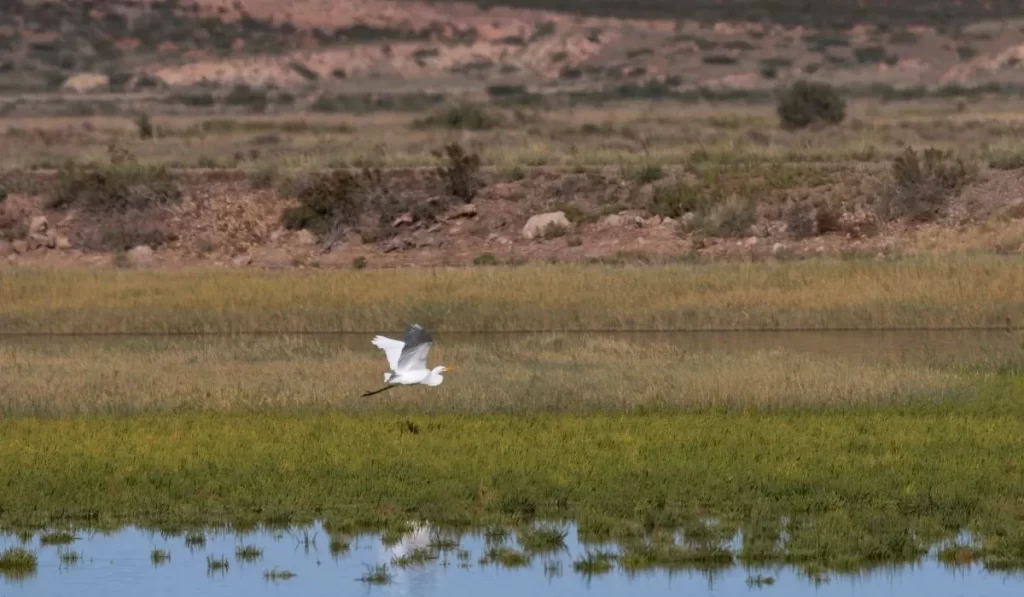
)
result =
(408, 360)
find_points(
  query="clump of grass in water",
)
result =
(542, 539)
(443, 543)
(18, 562)
(56, 538)
(646, 556)
(338, 546)
(216, 564)
(25, 537)
(248, 553)
(195, 540)
(594, 562)
(276, 575)
(495, 535)
(758, 581)
(416, 557)
(506, 557)
(377, 575)
(68, 557)
(159, 557)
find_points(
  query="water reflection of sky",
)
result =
(120, 564)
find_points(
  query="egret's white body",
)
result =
(408, 359)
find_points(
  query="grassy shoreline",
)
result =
(925, 291)
(860, 485)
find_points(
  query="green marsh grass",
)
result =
(920, 291)
(377, 575)
(338, 546)
(542, 539)
(195, 540)
(506, 557)
(68, 557)
(418, 556)
(275, 574)
(18, 563)
(248, 553)
(214, 564)
(56, 538)
(159, 557)
(594, 562)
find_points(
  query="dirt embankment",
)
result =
(406, 218)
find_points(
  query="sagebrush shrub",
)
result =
(808, 102)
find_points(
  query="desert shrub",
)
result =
(674, 200)
(966, 52)
(732, 217)
(458, 171)
(125, 231)
(252, 98)
(326, 200)
(808, 102)
(922, 185)
(3, 194)
(870, 54)
(465, 116)
(263, 178)
(804, 220)
(359, 263)
(485, 259)
(553, 230)
(719, 59)
(144, 126)
(118, 187)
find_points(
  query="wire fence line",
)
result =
(678, 330)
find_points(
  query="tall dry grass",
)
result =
(921, 291)
(60, 377)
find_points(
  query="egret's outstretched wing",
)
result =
(392, 349)
(416, 346)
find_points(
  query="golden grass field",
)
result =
(968, 290)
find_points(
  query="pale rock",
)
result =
(402, 220)
(687, 220)
(241, 260)
(140, 255)
(38, 225)
(751, 241)
(20, 247)
(668, 222)
(536, 225)
(276, 236)
(613, 220)
(305, 238)
(62, 242)
(85, 82)
(778, 248)
(466, 210)
(653, 221)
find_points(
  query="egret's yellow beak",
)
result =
(450, 367)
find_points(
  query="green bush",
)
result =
(114, 188)
(808, 102)
(464, 116)
(326, 200)
(459, 171)
(922, 185)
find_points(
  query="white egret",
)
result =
(408, 360)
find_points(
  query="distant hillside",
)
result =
(835, 13)
(251, 54)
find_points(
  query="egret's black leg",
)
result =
(387, 387)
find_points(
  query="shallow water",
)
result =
(120, 564)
